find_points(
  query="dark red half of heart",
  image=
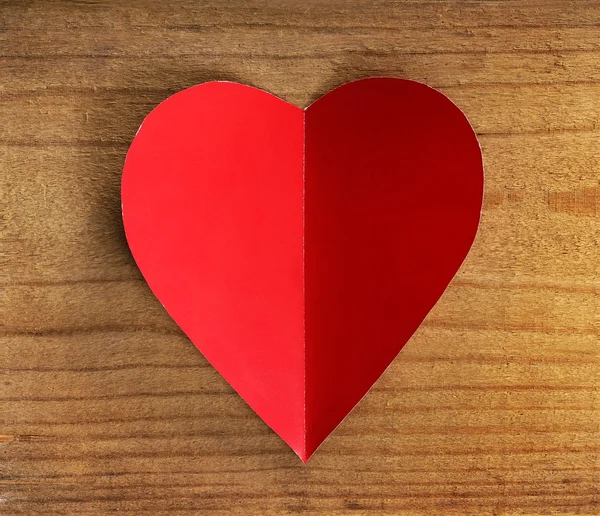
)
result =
(299, 250)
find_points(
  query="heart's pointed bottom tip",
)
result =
(303, 453)
(303, 456)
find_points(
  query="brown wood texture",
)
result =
(492, 407)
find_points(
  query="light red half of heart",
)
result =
(299, 249)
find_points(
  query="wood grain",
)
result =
(493, 406)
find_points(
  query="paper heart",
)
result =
(298, 249)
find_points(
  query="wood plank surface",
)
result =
(492, 408)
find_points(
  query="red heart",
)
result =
(300, 249)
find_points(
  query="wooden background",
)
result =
(493, 406)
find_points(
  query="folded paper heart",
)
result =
(299, 249)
